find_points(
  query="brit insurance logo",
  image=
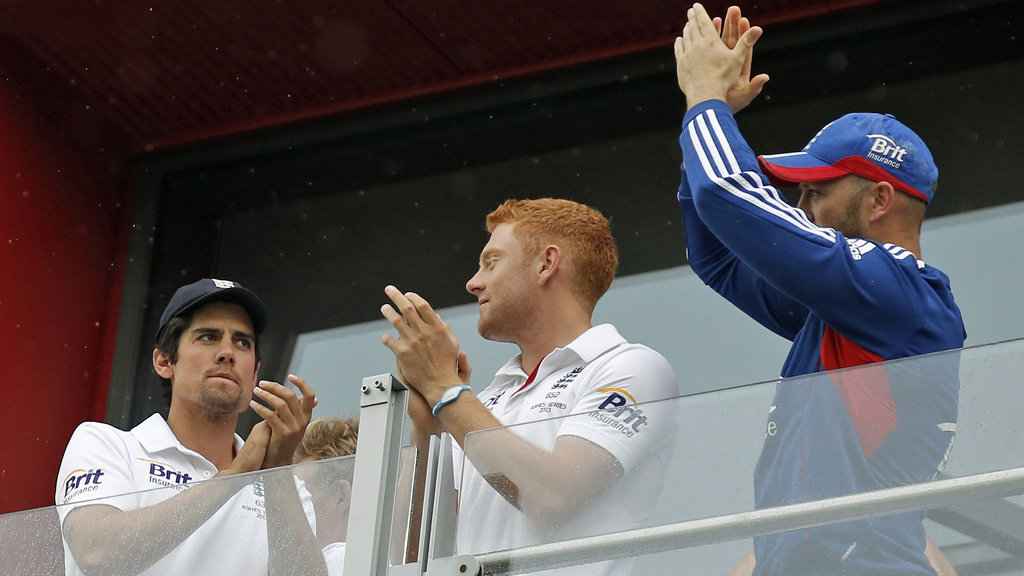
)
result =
(619, 411)
(886, 150)
(163, 474)
(81, 481)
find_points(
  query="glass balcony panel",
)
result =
(401, 525)
(886, 425)
(687, 459)
(219, 526)
(329, 483)
(30, 543)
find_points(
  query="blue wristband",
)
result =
(448, 396)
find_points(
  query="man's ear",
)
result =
(345, 491)
(549, 261)
(162, 364)
(882, 198)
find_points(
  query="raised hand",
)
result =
(287, 416)
(706, 68)
(746, 88)
(426, 350)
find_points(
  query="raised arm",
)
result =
(550, 487)
(780, 244)
(720, 269)
(708, 257)
(741, 209)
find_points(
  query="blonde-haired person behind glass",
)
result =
(329, 483)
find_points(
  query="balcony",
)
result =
(685, 506)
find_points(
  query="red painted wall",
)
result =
(60, 235)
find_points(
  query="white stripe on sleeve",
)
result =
(764, 197)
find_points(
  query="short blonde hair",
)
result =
(328, 438)
(583, 234)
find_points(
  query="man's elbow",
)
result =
(98, 560)
(100, 552)
(707, 203)
(551, 511)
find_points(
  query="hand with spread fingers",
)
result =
(707, 68)
(287, 415)
(746, 88)
(426, 350)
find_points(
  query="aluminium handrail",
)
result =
(743, 525)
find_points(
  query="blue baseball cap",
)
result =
(874, 146)
(189, 297)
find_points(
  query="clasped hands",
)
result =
(272, 442)
(713, 59)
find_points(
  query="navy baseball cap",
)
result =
(189, 297)
(874, 146)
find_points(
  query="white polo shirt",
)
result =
(143, 467)
(334, 555)
(591, 388)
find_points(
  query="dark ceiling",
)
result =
(117, 77)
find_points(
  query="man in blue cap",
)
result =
(841, 276)
(135, 502)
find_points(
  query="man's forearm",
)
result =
(746, 566)
(105, 540)
(292, 545)
(549, 487)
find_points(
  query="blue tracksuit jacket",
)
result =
(842, 302)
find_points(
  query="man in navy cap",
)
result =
(841, 276)
(134, 502)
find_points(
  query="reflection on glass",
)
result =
(623, 453)
(728, 443)
(708, 470)
(849, 431)
(30, 543)
(401, 525)
(242, 524)
(329, 483)
(332, 442)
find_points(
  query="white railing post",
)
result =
(384, 402)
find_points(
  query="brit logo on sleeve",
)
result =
(81, 481)
(619, 411)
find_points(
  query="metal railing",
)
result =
(911, 498)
